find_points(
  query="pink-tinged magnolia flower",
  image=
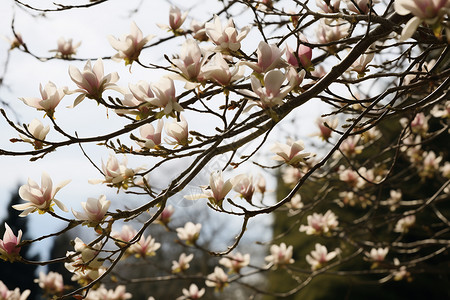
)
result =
(198, 31)
(218, 70)
(15, 42)
(330, 32)
(8, 246)
(401, 273)
(295, 203)
(320, 224)
(52, 283)
(349, 146)
(166, 215)
(243, 184)
(40, 198)
(326, 127)
(360, 65)
(94, 210)
(190, 61)
(38, 131)
(150, 138)
(217, 190)
(182, 264)
(363, 6)
(124, 236)
(178, 130)
(330, 7)
(377, 254)
(165, 96)
(225, 37)
(91, 81)
(320, 256)
(6, 294)
(280, 255)
(65, 48)
(404, 224)
(419, 125)
(443, 111)
(260, 184)
(192, 294)
(430, 164)
(117, 174)
(217, 280)
(291, 175)
(394, 200)
(141, 93)
(50, 98)
(189, 233)
(176, 18)
(145, 247)
(290, 153)
(269, 58)
(85, 263)
(235, 262)
(129, 46)
(295, 78)
(429, 11)
(272, 93)
(303, 55)
(119, 293)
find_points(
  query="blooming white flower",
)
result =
(269, 58)
(6, 294)
(66, 48)
(272, 93)
(117, 174)
(52, 283)
(217, 190)
(192, 294)
(243, 184)
(176, 19)
(332, 7)
(303, 55)
(151, 137)
(235, 262)
(349, 145)
(189, 233)
(320, 256)
(280, 255)
(85, 263)
(178, 131)
(218, 70)
(15, 42)
(428, 11)
(166, 214)
(38, 131)
(295, 203)
(360, 65)
(94, 210)
(145, 247)
(225, 37)
(430, 164)
(218, 279)
(363, 6)
(326, 127)
(40, 198)
(290, 153)
(320, 223)
(50, 98)
(165, 96)
(190, 61)
(182, 264)
(377, 254)
(129, 46)
(119, 293)
(404, 224)
(92, 82)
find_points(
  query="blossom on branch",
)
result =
(38, 131)
(269, 58)
(280, 255)
(320, 256)
(189, 233)
(116, 174)
(50, 98)
(182, 264)
(225, 37)
(176, 19)
(6, 294)
(151, 137)
(66, 49)
(129, 46)
(165, 96)
(303, 55)
(40, 198)
(320, 223)
(243, 184)
(190, 61)
(94, 210)
(144, 247)
(119, 293)
(178, 131)
(363, 6)
(218, 70)
(8, 245)
(92, 82)
(192, 294)
(216, 191)
(235, 262)
(52, 283)
(290, 153)
(217, 280)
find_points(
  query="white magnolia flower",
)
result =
(280, 255)
(50, 98)
(38, 131)
(404, 224)
(40, 198)
(218, 279)
(290, 153)
(225, 37)
(377, 254)
(320, 256)
(192, 294)
(320, 223)
(94, 210)
(189, 233)
(182, 264)
(66, 48)
(235, 262)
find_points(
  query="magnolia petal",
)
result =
(410, 28)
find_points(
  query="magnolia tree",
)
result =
(369, 62)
